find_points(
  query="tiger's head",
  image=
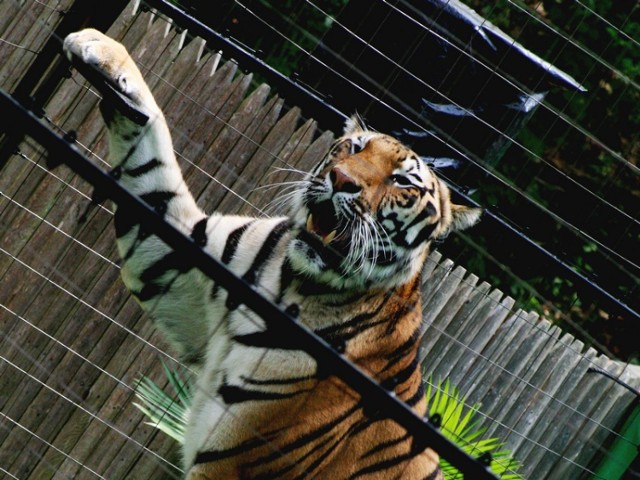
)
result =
(371, 209)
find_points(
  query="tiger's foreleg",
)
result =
(169, 288)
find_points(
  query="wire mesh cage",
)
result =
(527, 357)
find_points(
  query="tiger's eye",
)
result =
(400, 180)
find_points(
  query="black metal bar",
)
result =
(615, 378)
(17, 118)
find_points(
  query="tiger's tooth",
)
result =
(327, 240)
(310, 223)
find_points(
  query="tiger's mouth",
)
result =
(324, 222)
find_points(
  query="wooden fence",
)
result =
(72, 340)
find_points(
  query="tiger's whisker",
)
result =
(301, 183)
(288, 170)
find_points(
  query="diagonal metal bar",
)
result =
(17, 119)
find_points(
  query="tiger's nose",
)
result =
(342, 182)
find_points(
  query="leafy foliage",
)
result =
(168, 413)
(459, 424)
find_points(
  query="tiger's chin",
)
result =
(333, 264)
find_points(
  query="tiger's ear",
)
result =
(463, 217)
(354, 124)
(454, 217)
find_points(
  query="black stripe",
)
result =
(433, 475)
(159, 200)
(215, 455)
(149, 291)
(425, 233)
(404, 308)
(383, 465)
(416, 397)
(277, 381)
(171, 261)
(318, 447)
(421, 188)
(266, 251)
(417, 177)
(233, 394)
(144, 168)
(318, 461)
(385, 445)
(310, 287)
(330, 256)
(432, 190)
(199, 232)
(356, 325)
(400, 238)
(402, 376)
(271, 338)
(307, 438)
(141, 235)
(264, 254)
(363, 424)
(286, 277)
(130, 152)
(406, 201)
(232, 242)
(392, 217)
(230, 247)
(128, 137)
(404, 349)
(297, 463)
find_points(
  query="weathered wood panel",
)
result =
(73, 342)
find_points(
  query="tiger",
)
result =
(347, 261)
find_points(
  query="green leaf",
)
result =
(167, 413)
(460, 426)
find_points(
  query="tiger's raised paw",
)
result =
(111, 70)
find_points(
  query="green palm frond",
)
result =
(165, 412)
(459, 424)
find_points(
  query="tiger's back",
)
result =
(347, 261)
